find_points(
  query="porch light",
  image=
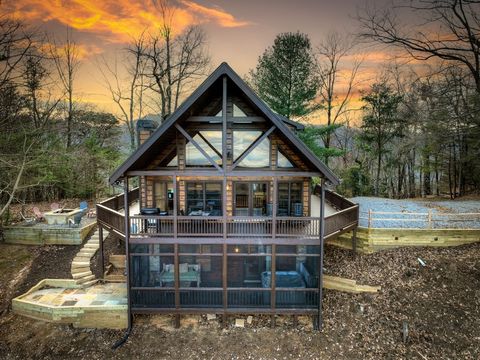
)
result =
(237, 250)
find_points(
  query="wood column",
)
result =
(319, 320)
(127, 249)
(175, 207)
(100, 240)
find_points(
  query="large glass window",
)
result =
(163, 194)
(259, 156)
(204, 198)
(211, 143)
(290, 199)
(251, 199)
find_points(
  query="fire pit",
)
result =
(60, 216)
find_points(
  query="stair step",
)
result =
(78, 275)
(80, 270)
(84, 255)
(87, 252)
(91, 246)
(89, 283)
(85, 279)
(81, 263)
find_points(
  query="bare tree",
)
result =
(128, 93)
(174, 61)
(41, 102)
(67, 62)
(449, 30)
(336, 89)
(15, 42)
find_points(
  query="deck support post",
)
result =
(319, 320)
(175, 207)
(354, 241)
(100, 240)
(127, 250)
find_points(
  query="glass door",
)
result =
(242, 199)
(251, 199)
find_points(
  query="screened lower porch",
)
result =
(224, 277)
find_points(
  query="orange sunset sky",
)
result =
(238, 31)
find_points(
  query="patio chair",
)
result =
(77, 219)
(91, 213)
(84, 206)
(38, 214)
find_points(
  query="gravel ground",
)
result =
(439, 209)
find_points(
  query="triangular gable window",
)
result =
(237, 112)
(173, 162)
(282, 161)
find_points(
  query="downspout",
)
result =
(127, 265)
(319, 321)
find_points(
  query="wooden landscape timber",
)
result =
(376, 239)
(347, 285)
(42, 235)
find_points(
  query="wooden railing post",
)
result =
(274, 207)
(430, 218)
(369, 218)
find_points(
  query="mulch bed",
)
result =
(440, 303)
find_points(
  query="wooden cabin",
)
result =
(224, 222)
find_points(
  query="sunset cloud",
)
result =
(118, 20)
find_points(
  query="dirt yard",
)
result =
(440, 303)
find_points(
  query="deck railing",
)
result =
(232, 226)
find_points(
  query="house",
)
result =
(226, 222)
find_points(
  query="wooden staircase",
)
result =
(81, 271)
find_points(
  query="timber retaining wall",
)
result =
(370, 240)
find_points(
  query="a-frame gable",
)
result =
(170, 126)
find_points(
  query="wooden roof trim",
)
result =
(167, 124)
(224, 69)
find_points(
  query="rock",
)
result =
(249, 319)
(239, 323)
(211, 317)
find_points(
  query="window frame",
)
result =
(204, 194)
(250, 193)
(235, 157)
(166, 183)
(289, 211)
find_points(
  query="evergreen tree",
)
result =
(381, 123)
(285, 76)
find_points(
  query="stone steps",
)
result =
(80, 268)
(76, 276)
(89, 283)
(85, 279)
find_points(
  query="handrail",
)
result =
(284, 226)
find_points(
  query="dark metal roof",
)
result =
(277, 120)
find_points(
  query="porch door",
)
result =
(251, 198)
(163, 196)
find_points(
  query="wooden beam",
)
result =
(199, 148)
(224, 124)
(218, 119)
(253, 146)
(214, 173)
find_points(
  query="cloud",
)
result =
(216, 14)
(118, 20)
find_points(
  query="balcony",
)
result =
(216, 229)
